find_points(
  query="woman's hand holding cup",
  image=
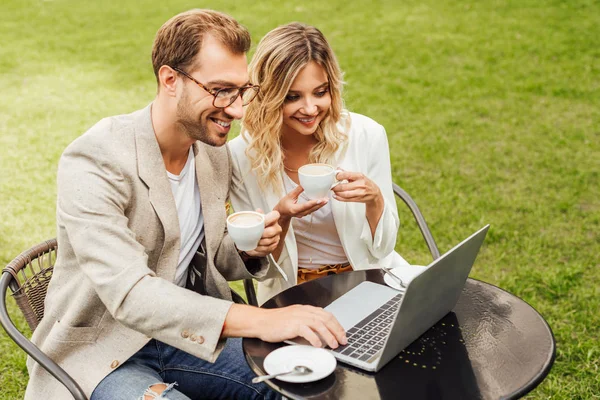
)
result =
(288, 206)
(357, 189)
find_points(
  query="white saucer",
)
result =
(321, 361)
(405, 272)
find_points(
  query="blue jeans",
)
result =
(186, 376)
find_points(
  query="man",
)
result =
(139, 306)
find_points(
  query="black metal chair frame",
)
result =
(10, 279)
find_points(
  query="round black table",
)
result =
(492, 345)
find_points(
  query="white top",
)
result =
(367, 152)
(317, 237)
(189, 210)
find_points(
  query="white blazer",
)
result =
(367, 152)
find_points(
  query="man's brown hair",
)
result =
(179, 40)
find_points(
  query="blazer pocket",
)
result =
(64, 333)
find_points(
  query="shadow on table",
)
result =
(438, 360)
(435, 366)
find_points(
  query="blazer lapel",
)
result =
(151, 170)
(213, 202)
(213, 186)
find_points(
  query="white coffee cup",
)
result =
(317, 179)
(246, 229)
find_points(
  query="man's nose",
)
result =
(235, 109)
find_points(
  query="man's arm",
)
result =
(93, 194)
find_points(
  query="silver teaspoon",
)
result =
(298, 369)
(394, 277)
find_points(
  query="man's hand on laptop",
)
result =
(317, 326)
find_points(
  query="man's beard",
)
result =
(193, 127)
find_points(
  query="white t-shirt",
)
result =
(317, 237)
(189, 210)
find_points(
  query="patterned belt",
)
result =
(305, 274)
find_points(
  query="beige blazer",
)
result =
(118, 248)
(366, 151)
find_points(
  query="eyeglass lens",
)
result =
(226, 97)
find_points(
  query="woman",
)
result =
(298, 118)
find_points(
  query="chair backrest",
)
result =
(419, 219)
(31, 272)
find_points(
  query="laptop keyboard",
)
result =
(366, 338)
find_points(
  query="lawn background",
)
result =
(492, 110)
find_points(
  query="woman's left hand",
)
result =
(359, 189)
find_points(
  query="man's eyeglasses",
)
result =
(225, 97)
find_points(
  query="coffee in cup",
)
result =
(317, 179)
(246, 229)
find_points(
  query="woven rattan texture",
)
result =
(32, 271)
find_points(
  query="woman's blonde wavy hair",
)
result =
(279, 57)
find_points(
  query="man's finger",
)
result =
(326, 334)
(266, 242)
(335, 327)
(271, 231)
(263, 250)
(308, 334)
(271, 218)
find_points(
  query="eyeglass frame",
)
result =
(215, 93)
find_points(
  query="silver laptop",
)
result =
(381, 321)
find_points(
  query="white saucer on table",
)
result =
(321, 361)
(404, 272)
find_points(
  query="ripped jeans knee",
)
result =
(157, 391)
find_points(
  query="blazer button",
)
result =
(200, 340)
(114, 364)
(185, 334)
(193, 338)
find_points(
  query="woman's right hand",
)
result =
(288, 206)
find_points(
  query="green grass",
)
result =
(492, 109)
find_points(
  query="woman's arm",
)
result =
(373, 187)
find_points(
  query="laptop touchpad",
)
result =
(360, 302)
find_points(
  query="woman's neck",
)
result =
(294, 142)
(296, 149)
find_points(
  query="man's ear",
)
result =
(167, 80)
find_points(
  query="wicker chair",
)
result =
(410, 203)
(28, 276)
